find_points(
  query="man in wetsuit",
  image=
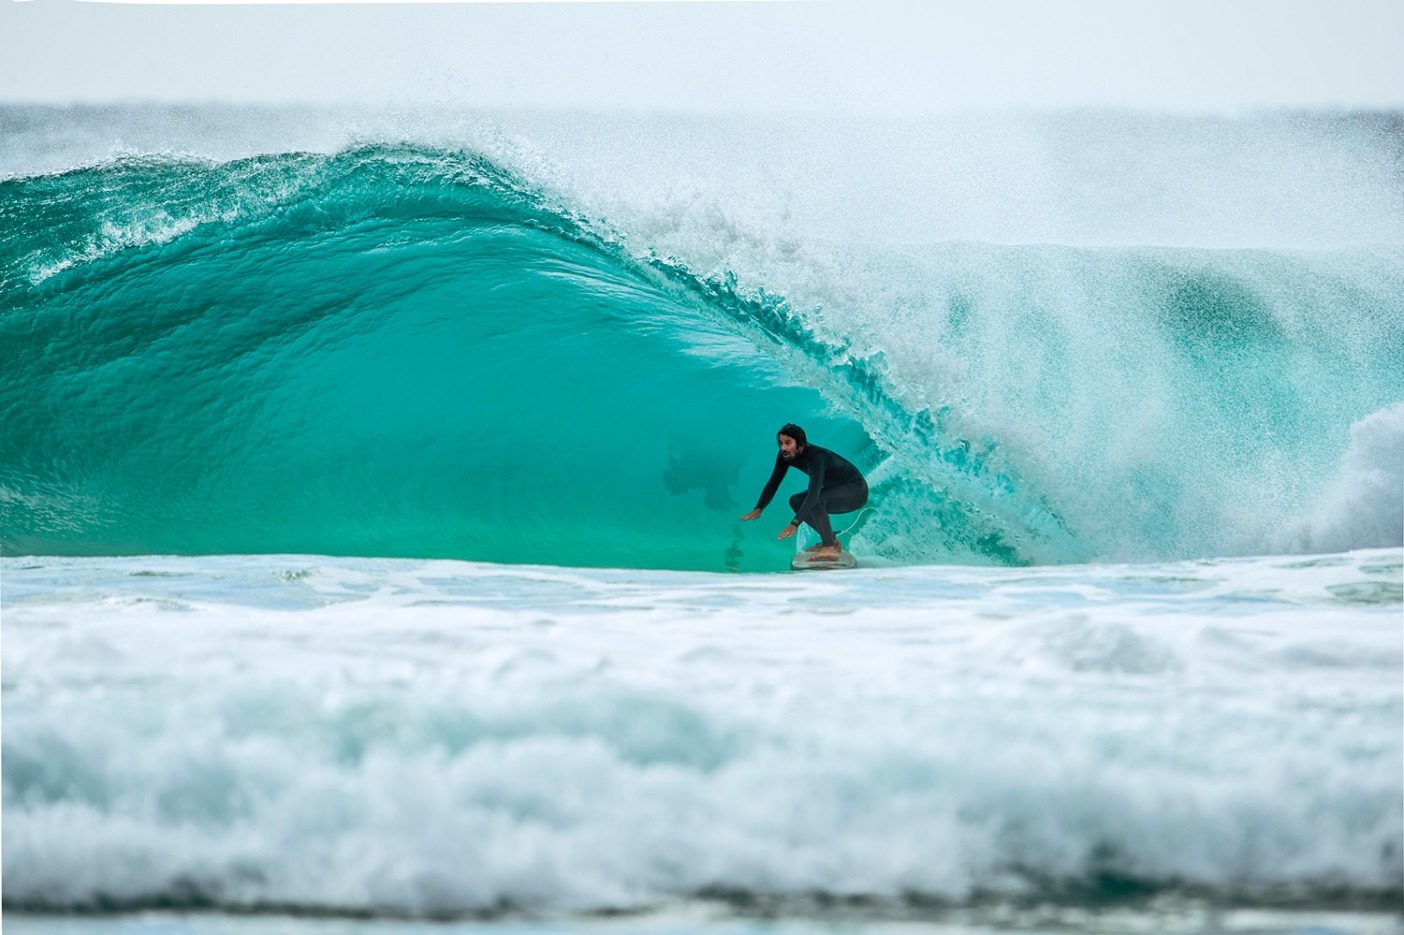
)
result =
(835, 486)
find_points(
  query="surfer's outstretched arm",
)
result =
(771, 486)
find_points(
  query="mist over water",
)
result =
(1291, 179)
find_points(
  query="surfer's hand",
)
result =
(754, 514)
(788, 531)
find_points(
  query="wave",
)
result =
(407, 351)
(398, 351)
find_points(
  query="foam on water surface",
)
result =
(443, 738)
(1178, 920)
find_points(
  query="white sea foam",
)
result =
(440, 737)
(157, 227)
(1364, 502)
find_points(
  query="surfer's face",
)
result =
(788, 447)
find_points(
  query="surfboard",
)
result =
(804, 562)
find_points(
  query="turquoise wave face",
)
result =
(404, 351)
(401, 352)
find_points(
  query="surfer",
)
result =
(835, 486)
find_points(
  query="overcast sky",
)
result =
(883, 57)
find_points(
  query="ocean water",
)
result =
(394, 738)
(369, 496)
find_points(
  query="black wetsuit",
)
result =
(835, 486)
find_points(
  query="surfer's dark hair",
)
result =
(795, 432)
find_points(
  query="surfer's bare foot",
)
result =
(828, 551)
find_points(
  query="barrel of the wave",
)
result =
(388, 351)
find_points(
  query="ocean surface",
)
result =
(369, 497)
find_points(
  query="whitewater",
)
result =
(369, 504)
